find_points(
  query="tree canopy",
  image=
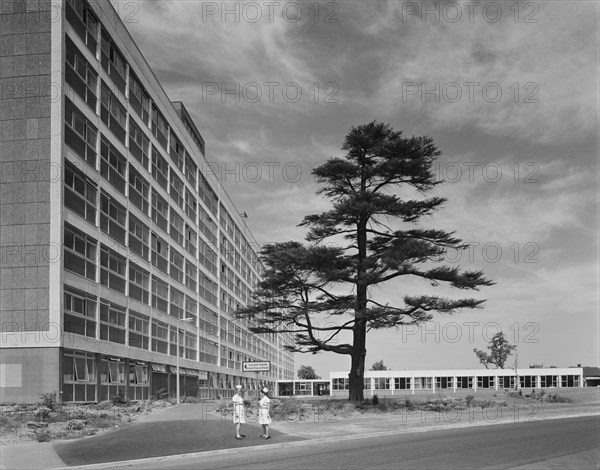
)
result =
(379, 365)
(323, 291)
(307, 373)
(499, 348)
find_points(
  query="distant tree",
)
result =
(379, 365)
(499, 348)
(307, 373)
(536, 366)
(379, 191)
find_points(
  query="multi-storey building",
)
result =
(121, 256)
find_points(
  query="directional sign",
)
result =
(256, 366)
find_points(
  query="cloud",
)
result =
(367, 57)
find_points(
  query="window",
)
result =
(190, 341)
(112, 322)
(84, 22)
(160, 253)
(340, 384)
(112, 371)
(177, 303)
(79, 252)
(113, 165)
(160, 211)
(209, 350)
(80, 193)
(527, 381)
(79, 376)
(549, 381)
(139, 326)
(177, 227)
(139, 237)
(139, 144)
(191, 309)
(570, 381)
(485, 382)
(207, 225)
(424, 383)
(191, 170)
(113, 62)
(79, 313)
(176, 266)
(139, 98)
(113, 217)
(177, 189)
(464, 382)
(80, 134)
(207, 195)
(191, 276)
(113, 113)
(113, 269)
(177, 151)
(506, 381)
(207, 257)
(208, 320)
(444, 382)
(402, 383)
(382, 383)
(160, 337)
(207, 289)
(159, 127)
(193, 132)
(160, 294)
(139, 283)
(160, 169)
(139, 190)
(80, 74)
(190, 205)
(138, 374)
(190, 240)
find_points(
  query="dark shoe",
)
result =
(240, 437)
(267, 437)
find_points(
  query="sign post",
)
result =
(256, 366)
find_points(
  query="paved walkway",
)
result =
(194, 428)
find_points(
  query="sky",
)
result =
(507, 91)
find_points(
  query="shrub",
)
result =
(76, 424)
(375, 400)
(288, 410)
(49, 400)
(42, 413)
(42, 435)
(120, 399)
(469, 399)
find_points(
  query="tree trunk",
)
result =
(357, 369)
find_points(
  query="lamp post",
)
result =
(177, 355)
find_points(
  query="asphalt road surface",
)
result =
(553, 444)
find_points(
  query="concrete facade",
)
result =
(121, 257)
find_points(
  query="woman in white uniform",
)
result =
(264, 416)
(239, 412)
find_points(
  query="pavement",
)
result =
(188, 429)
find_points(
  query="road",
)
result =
(552, 444)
